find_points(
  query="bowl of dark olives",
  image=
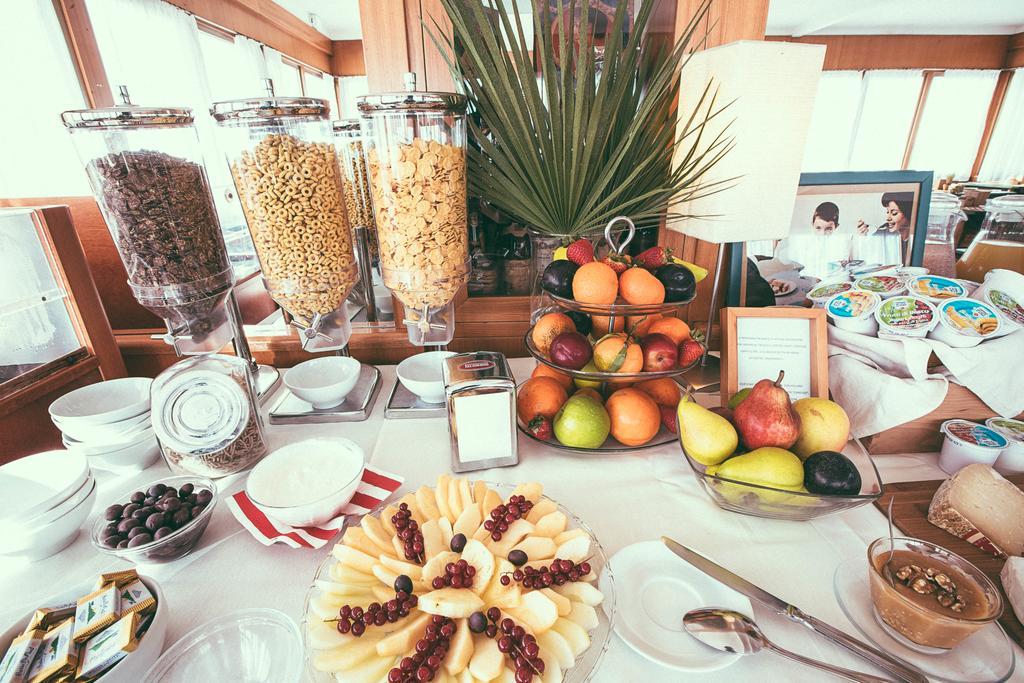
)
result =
(159, 523)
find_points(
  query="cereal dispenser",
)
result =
(146, 170)
(348, 144)
(416, 157)
(282, 160)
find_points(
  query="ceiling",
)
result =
(874, 17)
(339, 19)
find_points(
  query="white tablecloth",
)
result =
(625, 498)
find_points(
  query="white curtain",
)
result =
(39, 82)
(953, 122)
(832, 121)
(351, 88)
(886, 114)
(285, 77)
(1005, 156)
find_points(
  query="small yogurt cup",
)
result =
(935, 288)
(907, 272)
(966, 442)
(884, 286)
(905, 316)
(820, 295)
(874, 269)
(1012, 459)
(1004, 291)
(964, 323)
(854, 311)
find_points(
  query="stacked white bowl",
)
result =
(109, 424)
(46, 499)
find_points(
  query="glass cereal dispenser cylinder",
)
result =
(416, 159)
(282, 160)
(146, 171)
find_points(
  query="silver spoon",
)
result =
(731, 631)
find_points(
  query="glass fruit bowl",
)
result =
(586, 663)
(778, 503)
(623, 377)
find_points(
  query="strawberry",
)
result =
(580, 252)
(655, 257)
(668, 418)
(690, 352)
(618, 262)
(540, 427)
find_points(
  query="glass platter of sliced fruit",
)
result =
(462, 582)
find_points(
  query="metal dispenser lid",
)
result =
(270, 108)
(127, 115)
(412, 100)
(200, 411)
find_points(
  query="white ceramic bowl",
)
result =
(65, 506)
(421, 374)
(292, 484)
(134, 458)
(324, 382)
(134, 666)
(36, 483)
(88, 448)
(104, 402)
(39, 541)
(108, 432)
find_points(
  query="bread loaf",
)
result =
(978, 505)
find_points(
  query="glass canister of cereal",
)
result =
(282, 159)
(416, 158)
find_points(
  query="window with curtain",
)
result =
(832, 121)
(321, 85)
(39, 82)
(1004, 159)
(288, 82)
(350, 89)
(886, 114)
(952, 122)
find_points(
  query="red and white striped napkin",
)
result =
(376, 487)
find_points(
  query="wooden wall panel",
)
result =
(909, 52)
(270, 24)
(1015, 52)
(347, 58)
(385, 45)
(437, 75)
(81, 44)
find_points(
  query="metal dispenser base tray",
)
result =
(267, 378)
(290, 409)
(405, 405)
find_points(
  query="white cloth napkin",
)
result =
(883, 383)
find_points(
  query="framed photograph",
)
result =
(758, 343)
(843, 224)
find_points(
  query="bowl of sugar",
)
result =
(308, 482)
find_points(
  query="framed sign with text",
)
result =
(758, 343)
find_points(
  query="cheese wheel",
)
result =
(978, 505)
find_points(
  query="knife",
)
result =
(883, 660)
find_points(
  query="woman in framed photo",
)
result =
(888, 242)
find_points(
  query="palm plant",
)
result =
(588, 140)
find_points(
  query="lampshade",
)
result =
(771, 88)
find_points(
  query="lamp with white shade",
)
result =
(769, 88)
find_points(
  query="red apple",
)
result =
(660, 352)
(571, 350)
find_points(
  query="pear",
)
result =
(767, 466)
(824, 426)
(706, 437)
(766, 416)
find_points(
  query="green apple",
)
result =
(588, 383)
(582, 422)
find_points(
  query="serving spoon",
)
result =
(731, 631)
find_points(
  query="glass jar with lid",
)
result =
(416, 158)
(1000, 242)
(145, 167)
(205, 415)
(281, 154)
(944, 215)
(348, 143)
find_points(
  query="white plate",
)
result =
(655, 589)
(36, 483)
(104, 402)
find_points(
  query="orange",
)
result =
(635, 416)
(595, 283)
(540, 396)
(609, 357)
(673, 328)
(639, 286)
(592, 393)
(663, 390)
(640, 324)
(546, 371)
(549, 326)
(601, 323)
